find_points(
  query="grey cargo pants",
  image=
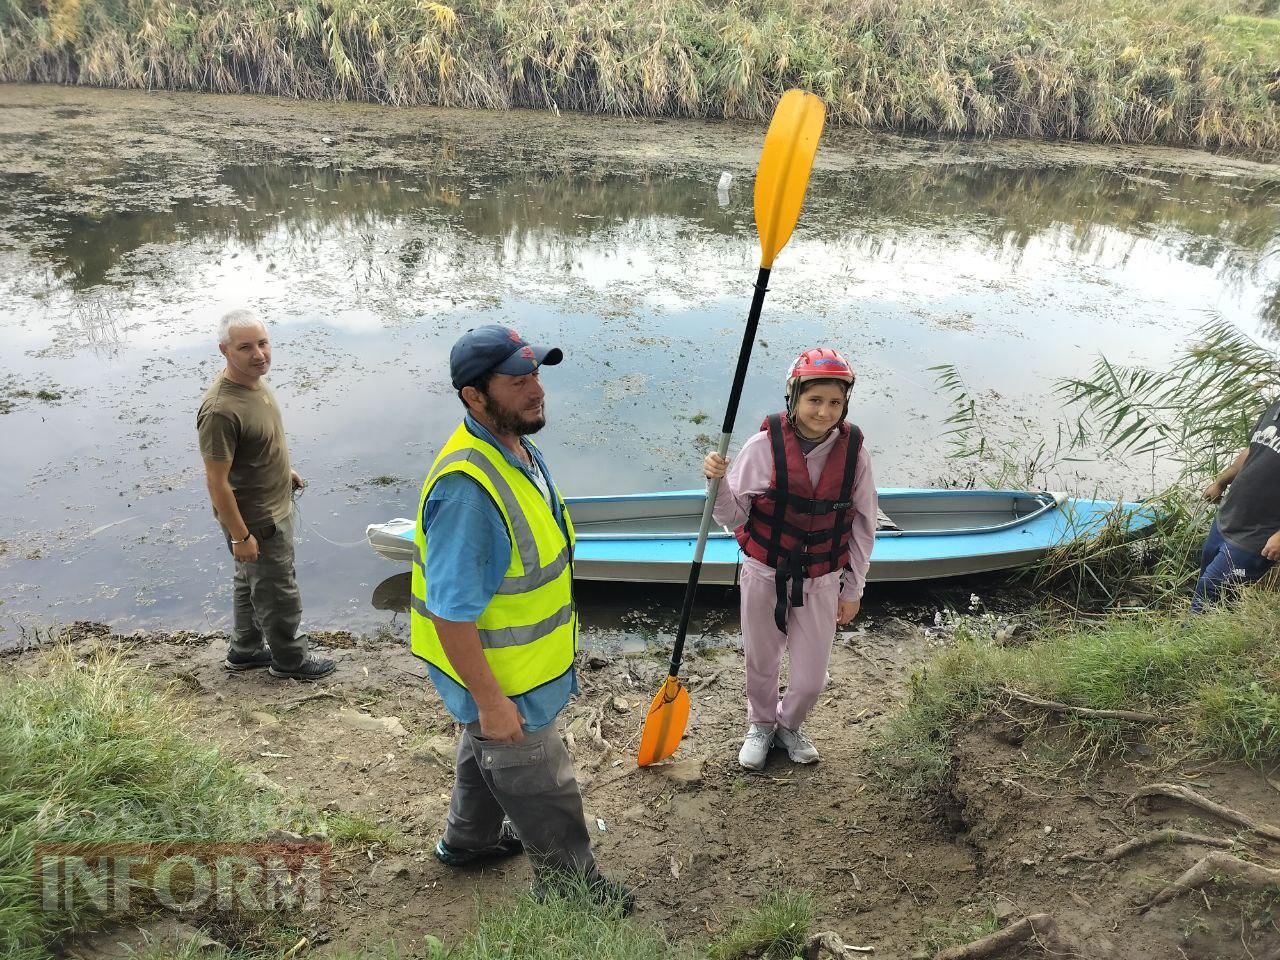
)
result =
(265, 600)
(533, 783)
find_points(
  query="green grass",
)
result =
(776, 930)
(351, 828)
(560, 928)
(1193, 72)
(95, 751)
(570, 927)
(962, 928)
(1247, 37)
(1214, 678)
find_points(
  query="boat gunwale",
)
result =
(1048, 501)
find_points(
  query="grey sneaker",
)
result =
(755, 748)
(799, 747)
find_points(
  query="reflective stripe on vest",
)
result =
(511, 636)
(517, 525)
(529, 629)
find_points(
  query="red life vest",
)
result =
(799, 530)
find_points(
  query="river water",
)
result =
(369, 238)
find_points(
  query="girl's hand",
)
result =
(714, 466)
(846, 610)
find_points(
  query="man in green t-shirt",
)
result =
(246, 466)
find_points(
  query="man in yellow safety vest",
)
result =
(493, 616)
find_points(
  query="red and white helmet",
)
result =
(819, 363)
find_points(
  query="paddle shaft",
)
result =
(726, 432)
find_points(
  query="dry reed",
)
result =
(1105, 70)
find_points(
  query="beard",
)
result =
(507, 420)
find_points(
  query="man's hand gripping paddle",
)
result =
(781, 181)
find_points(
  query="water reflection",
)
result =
(497, 218)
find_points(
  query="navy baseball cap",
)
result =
(498, 349)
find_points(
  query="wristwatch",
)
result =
(237, 543)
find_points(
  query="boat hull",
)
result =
(650, 538)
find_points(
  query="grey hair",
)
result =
(234, 320)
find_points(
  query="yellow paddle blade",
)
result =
(665, 723)
(785, 163)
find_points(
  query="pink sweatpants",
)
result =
(811, 630)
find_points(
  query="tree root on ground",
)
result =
(1219, 865)
(1135, 716)
(1150, 840)
(1189, 796)
(589, 723)
(829, 944)
(1039, 927)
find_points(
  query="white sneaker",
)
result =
(799, 747)
(755, 748)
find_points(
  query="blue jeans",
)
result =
(1224, 565)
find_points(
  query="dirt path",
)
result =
(703, 841)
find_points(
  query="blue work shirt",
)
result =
(468, 552)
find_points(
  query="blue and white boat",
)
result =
(922, 535)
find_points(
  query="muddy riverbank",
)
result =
(1013, 833)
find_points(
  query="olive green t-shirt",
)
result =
(243, 425)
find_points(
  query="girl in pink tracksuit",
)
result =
(802, 500)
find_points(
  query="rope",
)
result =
(297, 506)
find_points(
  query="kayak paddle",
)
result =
(781, 180)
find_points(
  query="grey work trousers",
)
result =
(532, 782)
(266, 604)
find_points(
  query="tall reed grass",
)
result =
(1192, 418)
(1195, 72)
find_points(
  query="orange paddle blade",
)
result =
(665, 723)
(785, 163)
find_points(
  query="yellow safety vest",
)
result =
(529, 630)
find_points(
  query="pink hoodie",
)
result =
(748, 477)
